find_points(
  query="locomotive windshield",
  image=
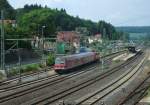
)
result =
(59, 61)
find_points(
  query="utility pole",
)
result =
(38, 33)
(102, 61)
(43, 59)
(104, 33)
(43, 27)
(19, 60)
(2, 43)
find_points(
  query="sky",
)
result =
(116, 12)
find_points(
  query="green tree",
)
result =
(38, 18)
(9, 12)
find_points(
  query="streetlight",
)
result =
(19, 61)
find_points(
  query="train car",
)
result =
(132, 49)
(72, 61)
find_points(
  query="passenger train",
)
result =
(66, 63)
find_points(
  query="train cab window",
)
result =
(59, 61)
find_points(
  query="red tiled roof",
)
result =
(67, 36)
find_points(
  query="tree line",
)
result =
(32, 18)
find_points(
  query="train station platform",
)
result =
(145, 101)
(124, 57)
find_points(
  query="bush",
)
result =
(1, 75)
(13, 72)
(50, 60)
(24, 69)
(32, 67)
(41, 65)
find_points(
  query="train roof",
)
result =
(76, 55)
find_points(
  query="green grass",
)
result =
(24, 69)
(117, 61)
(148, 93)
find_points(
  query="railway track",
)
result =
(115, 53)
(36, 88)
(138, 93)
(9, 80)
(51, 98)
(95, 97)
(52, 78)
(36, 73)
(7, 87)
(41, 86)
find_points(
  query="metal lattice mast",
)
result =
(2, 42)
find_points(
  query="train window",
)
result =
(59, 61)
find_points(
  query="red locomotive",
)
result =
(72, 61)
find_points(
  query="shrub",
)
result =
(41, 65)
(32, 67)
(50, 60)
(1, 75)
(24, 69)
(13, 72)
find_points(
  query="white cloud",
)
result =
(57, 0)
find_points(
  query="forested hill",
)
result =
(8, 9)
(32, 18)
(134, 29)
